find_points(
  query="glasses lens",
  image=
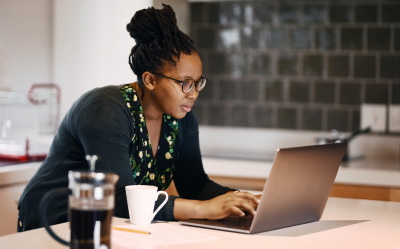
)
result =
(187, 85)
(201, 84)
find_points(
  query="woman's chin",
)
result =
(178, 115)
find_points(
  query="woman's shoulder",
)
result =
(101, 99)
(101, 94)
(104, 97)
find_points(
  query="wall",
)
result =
(182, 12)
(78, 45)
(25, 43)
(297, 65)
(91, 45)
(25, 59)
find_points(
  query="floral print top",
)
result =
(149, 170)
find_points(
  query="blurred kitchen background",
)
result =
(281, 74)
(287, 69)
(303, 65)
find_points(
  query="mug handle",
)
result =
(43, 206)
(162, 204)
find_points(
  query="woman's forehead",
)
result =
(187, 65)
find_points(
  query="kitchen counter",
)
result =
(18, 173)
(346, 223)
(353, 182)
(242, 158)
(347, 173)
(13, 179)
(359, 179)
(15, 174)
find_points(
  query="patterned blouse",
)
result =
(149, 170)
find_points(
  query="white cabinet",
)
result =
(8, 209)
(12, 182)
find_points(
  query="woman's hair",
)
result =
(158, 40)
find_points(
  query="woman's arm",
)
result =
(201, 197)
(104, 130)
(190, 179)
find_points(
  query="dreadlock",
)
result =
(158, 40)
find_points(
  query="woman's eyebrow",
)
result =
(191, 78)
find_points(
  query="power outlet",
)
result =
(374, 116)
(394, 118)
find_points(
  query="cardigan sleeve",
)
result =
(190, 179)
(104, 130)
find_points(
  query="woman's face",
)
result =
(167, 93)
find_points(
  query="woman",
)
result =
(144, 131)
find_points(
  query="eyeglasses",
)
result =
(187, 85)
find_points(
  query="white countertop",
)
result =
(379, 167)
(260, 169)
(346, 223)
(222, 148)
(348, 174)
(17, 173)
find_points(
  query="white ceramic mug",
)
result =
(141, 200)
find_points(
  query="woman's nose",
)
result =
(193, 94)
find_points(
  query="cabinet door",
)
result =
(9, 196)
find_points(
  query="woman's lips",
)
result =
(186, 108)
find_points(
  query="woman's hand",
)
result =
(231, 203)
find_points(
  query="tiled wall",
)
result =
(305, 65)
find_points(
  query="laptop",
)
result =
(296, 191)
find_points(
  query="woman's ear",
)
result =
(148, 80)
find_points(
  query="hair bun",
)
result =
(150, 24)
(158, 40)
(142, 28)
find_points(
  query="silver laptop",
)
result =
(295, 192)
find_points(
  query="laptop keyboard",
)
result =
(238, 222)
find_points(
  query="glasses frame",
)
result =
(182, 82)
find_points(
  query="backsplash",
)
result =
(299, 65)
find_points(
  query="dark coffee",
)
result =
(90, 228)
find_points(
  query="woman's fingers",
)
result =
(249, 207)
(246, 195)
(232, 203)
(254, 200)
(244, 202)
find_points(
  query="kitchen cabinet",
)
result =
(8, 210)
(13, 180)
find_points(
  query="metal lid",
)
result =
(96, 185)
